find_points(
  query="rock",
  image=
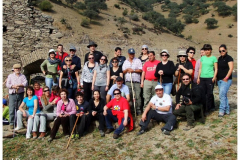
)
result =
(57, 35)
(19, 22)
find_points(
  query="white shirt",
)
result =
(166, 100)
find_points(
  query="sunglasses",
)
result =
(144, 49)
(46, 90)
(114, 61)
(222, 51)
(191, 52)
(103, 59)
(68, 60)
(71, 50)
(164, 55)
(17, 68)
(91, 58)
(181, 56)
(116, 93)
(185, 79)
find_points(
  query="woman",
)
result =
(87, 77)
(96, 111)
(115, 71)
(207, 75)
(144, 54)
(51, 74)
(69, 78)
(101, 77)
(65, 108)
(164, 72)
(224, 77)
(38, 92)
(31, 101)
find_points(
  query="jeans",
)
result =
(72, 91)
(223, 88)
(49, 82)
(110, 117)
(15, 101)
(167, 87)
(42, 119)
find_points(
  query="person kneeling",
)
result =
(119, 111)
(161, 111)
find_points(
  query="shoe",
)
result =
(166, 132)
(115, 136)
(73, 136)
(77, 136)
(109, 130)
(42, 135)
(220, 114)
(188, 128)
(102, 133)
(140, 132)
(34, 135)
(50, 139)
(28, 138)
(18, 129)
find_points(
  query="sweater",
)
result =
(168, 71)
(69, 108)
(50, 68)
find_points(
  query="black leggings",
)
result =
(87, 91)
(208, 85)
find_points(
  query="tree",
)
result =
(164, 8)
(80, 5)
(121, 21)
(234, 11)
(134, 17)
(125, 12)
(70, 2)
(160, 23)
(175, 25)
(224, 10)
(45, 5)
(188, 18)
(90, 14)
(85, 22)
(211, 22)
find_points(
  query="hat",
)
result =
(119, 79)
(131, 51)
(182, 53)
(4, 101)
(91, 43)
(51, 50)
(164, 51)
(144, 46)
(72, 48)
(158, 87)
(17, 66)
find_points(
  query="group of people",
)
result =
(114, 92)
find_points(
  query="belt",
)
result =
(152, 80)
(133, 81)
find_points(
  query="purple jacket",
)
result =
(70, 107)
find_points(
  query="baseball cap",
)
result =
(51, 50)
(158, 87)
(131, 51)
(72, 48)
(119, 78)
(4, 101)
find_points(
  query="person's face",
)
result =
(96, 95)
(144, 50)
(119, 84)
(46, 91)
(68, 61)
(80, 99)
(151, 57)
(92, 48)
(115, 63)
(60, 49)
(36, 86)
(52, 55)
(208, 52)
(202, 53)
(72, 52)
(191, 53)
(182, 58)
(91, 58)
(159, 92)
(118, 53)
(63, 95)
(222, 51)
(117, 95)
(186, 80)
(103, 60)
(29, 92)
(164, 56)
(131, 56)
(17, 70)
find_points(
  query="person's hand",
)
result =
(225, 80)
(104, 113)
(60, 86)
(125, 122)
(60, 115)
(78, 114)
(177, 106)
(130, 70)
(141, 85)
(144, 117)
(73, 66)
(44, 73)
(106, 88)
(189, 103)
(78, 86)
(213, 80)
(30, 117)
(64, 66)
(13, 86)
(24, 114)
(180, 67)
(92, 88)
(153, 107)
(198, 81)
(160, 72)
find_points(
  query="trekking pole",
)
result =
(160, 80)
(72, 132)
(133, 95)
(15, 110)
(179, 75)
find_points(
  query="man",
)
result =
(123, 88)
(16, 83)
(118, 110)
(76, 61)
(191, 101)
(119, 56)
(150, 81)
(190, 52)
(133, 66)
(161, 111)
(60, 55)
(97, 55)
(202, 53)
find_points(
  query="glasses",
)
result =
(222, 51)
(144, 49)
(17, 68)
(68, 60)
(185, 79)
(181, 56)
(114, 61)
(103, 59)
(46, 90)
(191, 52)
(91, 58)
(164, 55)
(117, 93)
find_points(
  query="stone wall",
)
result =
(28, 34)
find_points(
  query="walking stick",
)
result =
(133, 95)
(15, 110)
(179, 74)
(160, 80)
(72, 132)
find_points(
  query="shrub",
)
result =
(234, 11)
(85, 22)
(188, 18)
(175, 25)
(80, 5)
(63, 21)
(117, 6)
(211, 22)
(45, 5)
(125, 12)
(224, 10)
(134, 17)
(90, 14)
(230, 36)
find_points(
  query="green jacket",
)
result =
(6, 113)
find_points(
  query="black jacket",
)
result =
(97, 55)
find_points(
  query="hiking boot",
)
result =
(166, 132)
(77, 136)
(73, 136)
(220, 114)
(102, 133)
(34, 135)
(140, 132)
(109, 130)
(50, 139)
(115, 136)
(188, 128)
(42, 135)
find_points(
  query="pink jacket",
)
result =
(70, 107)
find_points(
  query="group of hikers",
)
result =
(113, 93)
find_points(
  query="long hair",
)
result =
(30, 88)
(44, 97)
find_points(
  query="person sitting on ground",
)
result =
(191, 101)
(118, 110)
(118, 56)
(95, 108)
(5, 112)
(159, 108)
(65, 108)
(97, 55)
(31, 101)
(82, 113)
(38, 92)
(123, 88)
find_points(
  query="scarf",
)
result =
(102, 66)
(56, 60)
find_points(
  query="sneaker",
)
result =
(73, 136)
(220, 114)
(115, 136)
(140, 132)
(18, 129)
(102, 133)
(188, 128)
(109, 130)
(34, 135)
(50, 139)
(77, 136)
(166, 132)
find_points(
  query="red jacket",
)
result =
(61, 58)
(193, 61)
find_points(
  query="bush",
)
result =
(63, 21)
(175, 25)
(134, 17)
(125, 12)
(211, 22)
(188, 18)
(80, 5)
(117, 6)
(90, 14)
(45, 5)
(195, 20)
(234, 11)
(85, 22)
(224, 10)
(230, 36)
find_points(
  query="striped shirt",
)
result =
(13, 79)
(135, 65)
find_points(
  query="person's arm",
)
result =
(78, 80)
(106, 107)
(73, 107)
(215, 71)
(125, 122)
(108, 80)
(176, 70)
(108, 97)
(24, 82)
(59, 109)
(124, 69)
(188, 71)
(170, 70)
(121, 74)
(35, 108)
(22, 110)
(230, 64)
(86, 58)
(9, 82)
(81, 79)
(60, 79)
(78, 65)
(42, 65)
(156, 71)
(128, 97)
(199, 72)
(94, 79)
(142, 78)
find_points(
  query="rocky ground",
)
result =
(216, 139)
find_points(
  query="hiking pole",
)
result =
(160, 80)
(133, 93)
(15, 110)
(179, 75)
(72, 132)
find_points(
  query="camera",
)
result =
(186, 100)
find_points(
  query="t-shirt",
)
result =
(112, 73)
(207, 66)
(188, 65)
(101, 77)
(119, 106)
(143, 60)
(124, 89)
(39, 93)
(223, 67)
(166, 100)
(149, 68)
(72, 73)
(82, 107)
(30, 104)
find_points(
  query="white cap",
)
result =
(158, 87)
(51, 50)
(165, 51)
(145, 46)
